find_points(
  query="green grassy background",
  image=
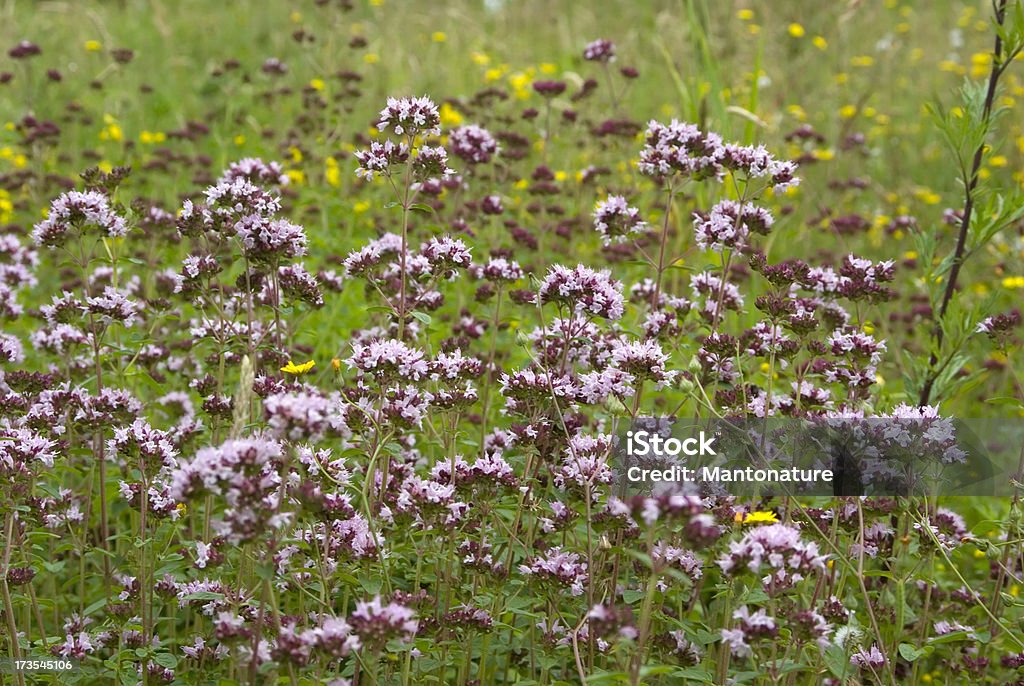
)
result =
(752, 71)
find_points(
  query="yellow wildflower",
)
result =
(331, 172)
(761, 517)
(298, 369)
(449, 115)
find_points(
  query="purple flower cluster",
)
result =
(616, 220)
(728, 225)
(410, 116)
(74, 212)
(583, 290)
(600, 50)
(558, 569)
(778, 547)
(473, 144)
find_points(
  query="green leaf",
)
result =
(423, 317)
(91, 609)
(371, 586)
(265, 571)
(608, 677)
(837, 661)
(1006, 400)
(631, 596)
(204, 595)
(909, 652)
(695, 674)
(165, 660)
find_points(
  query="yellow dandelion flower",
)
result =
(480, 59)
(317, 84)
(239, 139)
(820, 43)
(335, 364)
(862, 61)
(112, 132)
(519, 81)
(796, 30)
(93, 45)
(360, 207)
(298, 369)
(952, 67)
(745, 15)
(439, 36)
(761, 517)
(332, 174)
(6, 207)
(371, 58)
(449, 115)
(296, 176)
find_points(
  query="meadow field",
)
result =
(323, 324)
